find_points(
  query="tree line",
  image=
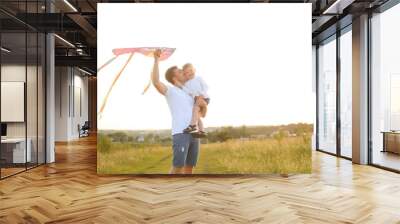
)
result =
(219, 134)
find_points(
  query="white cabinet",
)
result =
(19, 155)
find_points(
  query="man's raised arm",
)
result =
(155, 76)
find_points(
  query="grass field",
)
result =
(289, 155)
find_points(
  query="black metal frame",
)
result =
(0, 91)
(338, 98)
(369, 91)
(26, 90)
(316, 97)
(45, 91)
(44, 75)
(37, 92)
(340, 31)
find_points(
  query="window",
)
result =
(346, 93)
(385, 89)
(327, 96)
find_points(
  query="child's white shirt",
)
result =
(196, 87)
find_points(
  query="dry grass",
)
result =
(291, 155)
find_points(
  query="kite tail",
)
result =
(112, 85)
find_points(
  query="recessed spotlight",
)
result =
(70, 5)
(338, 6)
(5, 50)
(64, 40)
(84, 71)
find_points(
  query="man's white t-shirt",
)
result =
(180, 105)
(196, 87)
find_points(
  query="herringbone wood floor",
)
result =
(70, 191)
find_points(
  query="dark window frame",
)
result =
(334, 37)
(381, 9)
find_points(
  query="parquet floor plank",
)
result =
(70, 191)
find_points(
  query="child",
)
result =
(197, 88)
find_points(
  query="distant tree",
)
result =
(243, 131)
(306, 139)
(157, 138)
(223, 136)
(118, 136)
(279, 136)
(149, 138)
(124, 138)
(166, 140)
(103, 144)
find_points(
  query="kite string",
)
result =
(148, 84)
(112, 85)
(108, 62)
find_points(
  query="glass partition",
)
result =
(14, 153)
(22, 66)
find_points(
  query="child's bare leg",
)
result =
(195, 114)
(201, 126)
(201, 102)
(203, 110)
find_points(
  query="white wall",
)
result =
(12, 73)
(62, 81)
(70, 83)
(81, 84)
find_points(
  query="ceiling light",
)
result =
(70, 5)
(64, 40)
(338, 6)
(84, 71)
(5, 50)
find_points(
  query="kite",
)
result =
(147, 51)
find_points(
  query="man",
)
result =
(185, 147)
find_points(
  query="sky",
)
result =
(256, 59)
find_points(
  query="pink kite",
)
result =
(147, 51)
